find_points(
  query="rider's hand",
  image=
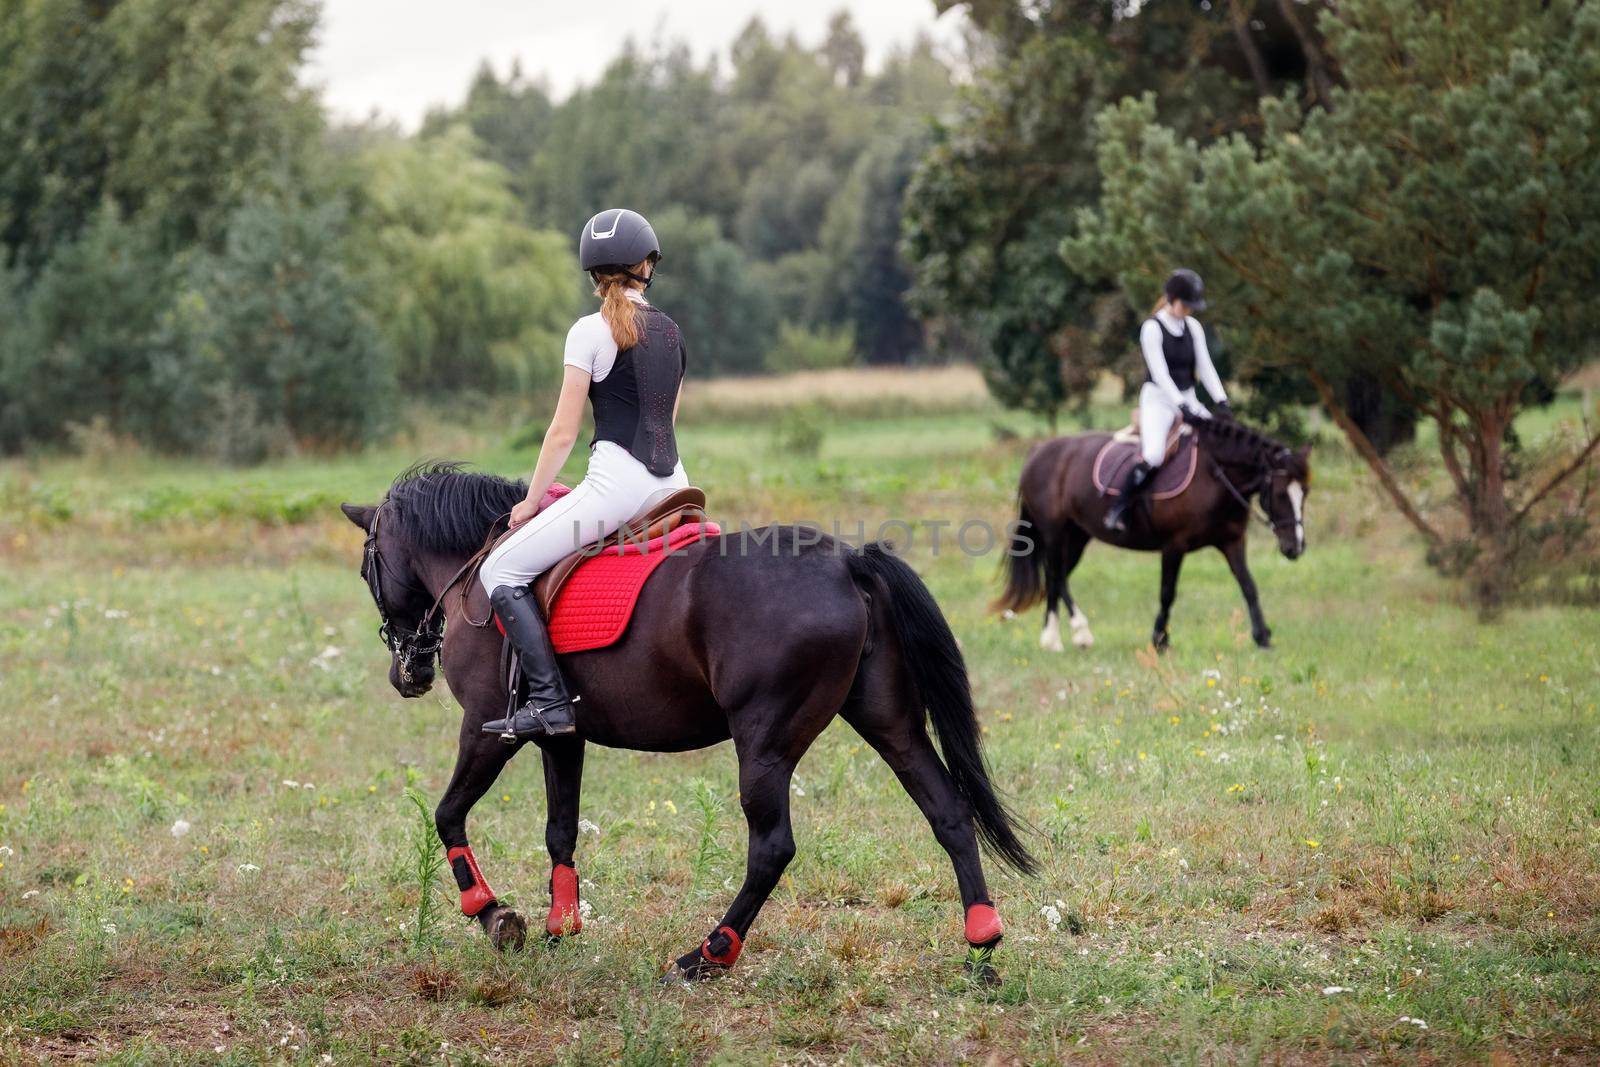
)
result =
(525, 510)
(1224, 409)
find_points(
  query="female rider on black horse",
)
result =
(1175, 356)
(628, 359)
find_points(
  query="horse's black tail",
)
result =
(940, 676)
(1023, 565)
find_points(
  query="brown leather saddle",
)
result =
(1122, 451)
(655, 520)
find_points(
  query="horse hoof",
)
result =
(1161, 641)
(1263, 640)
(507, 930)
(700, 971)
(1051, 642)
(693, 967)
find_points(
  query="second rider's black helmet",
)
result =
(616, 240)
(1184, 284)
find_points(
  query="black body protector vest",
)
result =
(1179, 352)
(633, 405)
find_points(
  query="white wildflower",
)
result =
(109, 928)
(246, 868)
(587, 827)
(181, 827)
(1418, 1023)
(1335, 990)
(30, 893)
(1052, 915)
(290, 783)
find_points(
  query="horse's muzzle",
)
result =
(415, 684)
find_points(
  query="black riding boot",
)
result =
(1133, 486)
(549, 706)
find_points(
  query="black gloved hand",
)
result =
(1224, 410)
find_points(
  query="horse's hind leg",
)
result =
(764, 796)
(1055, 585)
(905, 746)
(1077, 539)
(770, 734)
(478, 763)
(1060, 561)
(1171, 564)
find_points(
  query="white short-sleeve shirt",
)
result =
(590, 346)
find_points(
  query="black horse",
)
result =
(762, 637)
(1061, 510)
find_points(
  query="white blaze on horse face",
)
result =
(1050, 639)
(1297, 499)
(1080, 629)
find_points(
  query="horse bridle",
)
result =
(1266, 471)
(410, 648)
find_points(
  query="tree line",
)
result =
(1391, 201)
(194, 257)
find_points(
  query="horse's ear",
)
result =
(359, 514)
(1302, 455)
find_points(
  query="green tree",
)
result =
(267, 347)
(757, 145)
(174, 113)
(466, 293)
(991, 200)
(867, 277)
(1434, 228)
(708, 287)
(78, 340)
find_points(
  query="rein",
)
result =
(410, 648)
(1264, 516)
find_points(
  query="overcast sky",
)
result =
(398, 57)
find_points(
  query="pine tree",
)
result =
(1434, 227)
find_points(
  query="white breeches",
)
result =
(616, 488)
(1156, 416)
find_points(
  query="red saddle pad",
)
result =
(1172, 477)
(593, 608)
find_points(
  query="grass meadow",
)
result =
(1378, 842)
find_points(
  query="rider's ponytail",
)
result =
(1161, 302)
(617, 308)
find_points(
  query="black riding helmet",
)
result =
(1182, 284)
(615, 240)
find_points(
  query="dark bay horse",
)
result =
(1061, 510)
(762, 637)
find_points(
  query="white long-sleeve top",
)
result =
(1205, 372)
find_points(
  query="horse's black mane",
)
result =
(447, 510)
(1231, 441)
